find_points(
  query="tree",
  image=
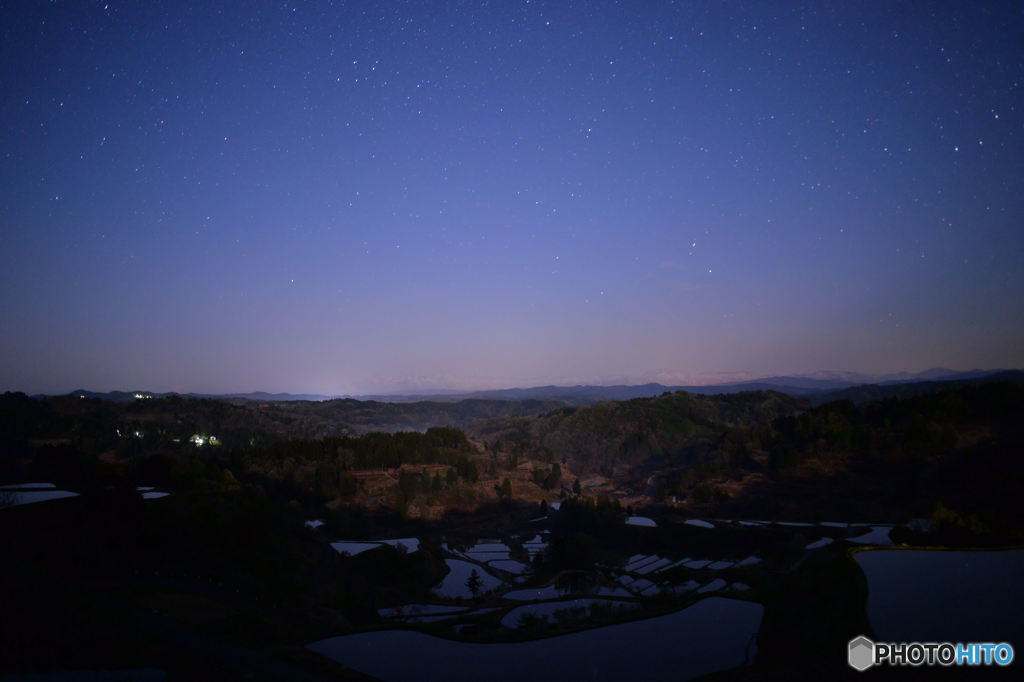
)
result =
(554, 477)
(408, 483)
(466, 468)
(474, 583)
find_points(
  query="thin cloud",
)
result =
(680, 285)
(671, 265)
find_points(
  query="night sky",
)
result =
(346, 197)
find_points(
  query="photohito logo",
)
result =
(862, 653)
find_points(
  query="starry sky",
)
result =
(346, 197)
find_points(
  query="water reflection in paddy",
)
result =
(19, 497)
(354, 547)
(509, 565)
(713, 634)
(931, 595)
(454, 584)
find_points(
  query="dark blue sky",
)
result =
(373, 196)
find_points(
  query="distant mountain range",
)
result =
(798, 386)
(814, 386)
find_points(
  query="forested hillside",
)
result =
(956, 455)
(362, 416)
(618, 437)
(954, 452)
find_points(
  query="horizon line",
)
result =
(838, 376)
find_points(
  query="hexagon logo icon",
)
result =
(861, 653)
